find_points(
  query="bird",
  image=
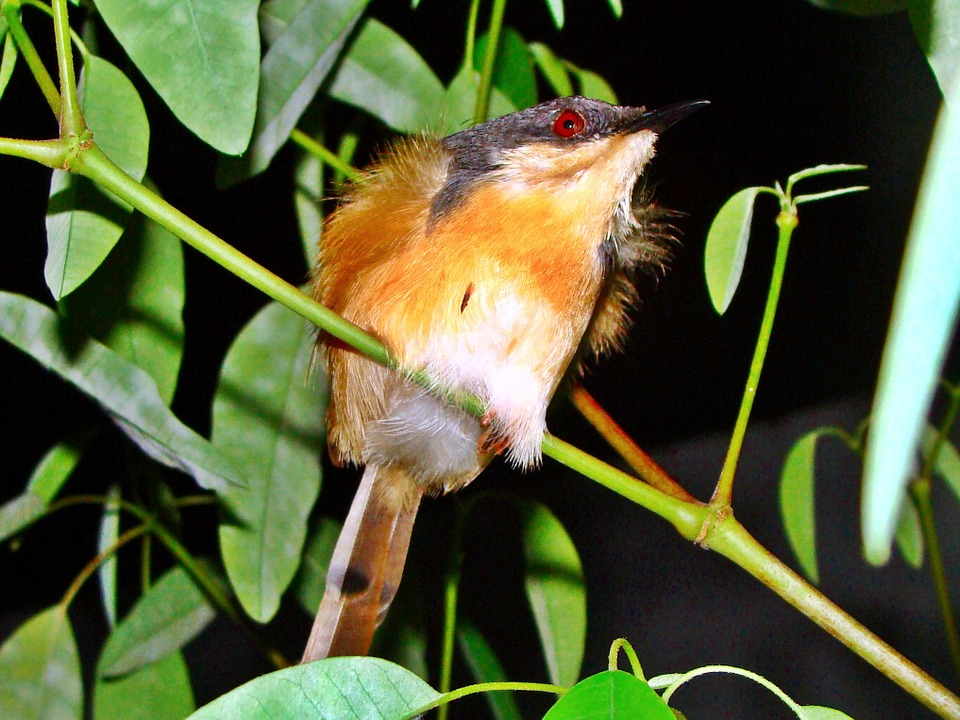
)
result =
(492, 261)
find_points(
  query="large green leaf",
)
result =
(170, 614)
(513, 69)
(40, 670)
(202, 58)
(726, 248)
(924, 315)
(134, 302)
(384, 75)
(84, 222)
(160, 691)
(124, 391)
(268, 415)
(936, 23)
(291, 72)
(610, 695)
(354, 688)
(557, 593)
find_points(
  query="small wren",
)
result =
(492, 259)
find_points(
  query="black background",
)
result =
(791, 86)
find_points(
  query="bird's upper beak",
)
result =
(662, 118)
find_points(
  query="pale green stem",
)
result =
(489, 60)
(451, 590)
(482, 688)
(324, 154)
(30, 55)
(723, 495)
(71, 119)
(730, 539)
(91, 567)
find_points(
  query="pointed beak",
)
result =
(662, 118)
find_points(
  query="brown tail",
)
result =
(365, 570)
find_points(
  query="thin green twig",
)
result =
(482, 109)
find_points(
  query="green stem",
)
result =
(612, 657)
(324, 154)
(11, 11)
(51, 153)
(471, 40)
(920, 496)
(489, 60)
(485, 687)
(91, 567)
(99, 168)
(451, 590)
(71, 119)
(730, 539)
(723, 495)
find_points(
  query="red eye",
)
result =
(568, 124)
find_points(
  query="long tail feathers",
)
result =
(364, 572)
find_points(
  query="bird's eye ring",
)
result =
(568, 124)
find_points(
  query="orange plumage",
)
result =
(487, 259)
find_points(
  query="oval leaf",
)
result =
(40, 670)
(816, 712)
(124, 391)
(160, 691)
(610, 695)
(84, 222)
(726, 248)
(170, 614)
(383, 74)
(513, 68)
(909, 536)
(268, 416)
(924, 315)
(201, 56)
(552, 68)
(352, 688)
(134, 302)
(556, 12)
(937, 26)
(947, 462)
(797, 504)
(292, 71)
(556, 591)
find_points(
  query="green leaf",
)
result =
(459, 102)
(726, 248)
(311, 578)
(8, 60)
(797, 502)
(485, 667)
(343, 688)
(40, 670)
(384, 75)
(862, 8)
(936, 23)
(611, 695)
(160, 691)
(909, 536)
(617, 7)
(816, 712)
(947, 465)
(552, 68)
(290, 74)
(202, 58)
(84, 222)
(556, 12)
(556, 591)
(45, 482)
(268, 415)
(402, 638)
(134, 303)
(924, 316)
(107, 572)
(19, 513)
(513, 68)
(308, 202)
(124, 391)
(592, 85)
(168, 615)
(57, 466)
